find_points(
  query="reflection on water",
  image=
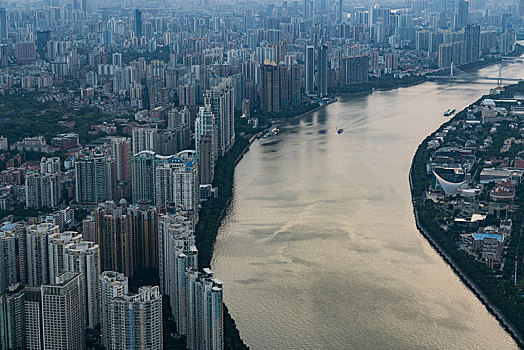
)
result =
(319, 249)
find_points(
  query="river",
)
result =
(319, 249)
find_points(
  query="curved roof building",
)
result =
(447, 187)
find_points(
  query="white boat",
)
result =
(449, 112)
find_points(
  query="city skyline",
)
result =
(122, 125)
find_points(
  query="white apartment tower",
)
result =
(112, 285)
(204, 320)
(84, 257)
(63, 313)
(205, 124)
(178, 253)
(37, 253)
(143, 139)
(221, 98)
(137, 320)
(57, 246)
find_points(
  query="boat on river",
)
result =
(449, 112)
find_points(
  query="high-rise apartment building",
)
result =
(121, 152)
(462, 13)
(205, 319)
(35, 268)
(354, 69)
(391, 62)
(322, 70)
(112, 285)
(114, 236)
(452, 53)
(310, 69)
(33, 318)
(84, 257)
(43, 189)
(206, 124)
(169, 226)
(221, 98)
(7, 260)
(290, 85)
(472, 38)
(138, 23)
(145, 235)
(63, 313)
(143, 176)
(206, 161)
(143, 139)
(177, 254)
(94, 178)
(12, 319)
(137, 320)
(3, 24)
(176, 182)
(57, 247)
(270, 87)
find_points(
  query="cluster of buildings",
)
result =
(475, 178)
(55, 283)
(54, 290)
(133, 57)
(170, 78)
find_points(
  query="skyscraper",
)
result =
(114, 236)
(112, 285)
(33, 318)
(462, 13)
(270, 87)
(84, 257)
(205, 319)
(310, 69)
(7, 260)
(12, 320)
(185, 256)
(43, 189)
(322, 71)
(138, 23)
(520, 8)
(289, 84)
(176, 182)
(170, 226)
(63, 312)
(143, 139)
(177, 254)
(340, 3)
(206, 162)
(221, 98)
(121, 153)
(3, 24)
(145, 235)
(143, 176)
(94, 178)
(137, 320)
(36, 264)
(472, 37)
(206, 124)
(354, 69)
(57, 247)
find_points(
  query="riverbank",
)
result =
(212, 213)
(492, 308)
(467, 269)
(388, 83)
(279, 120)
